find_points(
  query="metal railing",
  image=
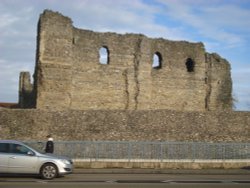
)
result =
(129, 150)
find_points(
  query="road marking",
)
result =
(133, 181)
(167, 181)
(111, 181)
(40, 181)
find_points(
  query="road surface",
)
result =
(95, 180)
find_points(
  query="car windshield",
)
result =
(38, 146)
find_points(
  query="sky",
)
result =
(222, 25)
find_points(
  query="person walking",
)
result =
(49, 145)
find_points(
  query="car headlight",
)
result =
(65, 161)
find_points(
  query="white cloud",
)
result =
(230, 16)
(6, 20)
(18, 33)
(9, 79)
(241, 86)
(215, 22)
(117, 16)
(221, 25)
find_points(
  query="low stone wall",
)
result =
(118, 125)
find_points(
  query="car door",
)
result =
(4, 157)
(22, 160)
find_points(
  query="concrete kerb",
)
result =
(162, 171)
(161, 166)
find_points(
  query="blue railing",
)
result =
(130, 150)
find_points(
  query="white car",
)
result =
(18, 158)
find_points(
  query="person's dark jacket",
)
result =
(49, 147)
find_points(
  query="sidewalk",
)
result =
(160, 171)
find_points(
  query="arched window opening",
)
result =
(157, 61)
(104, 56)
(190, 65)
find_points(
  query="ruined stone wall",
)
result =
(117, 125)
(26, 95)
(53, 74)
(219, 84)
(69, 74)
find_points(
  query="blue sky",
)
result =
(222, 25)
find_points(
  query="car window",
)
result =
(19, 149)
(4, 147)
(38, 146)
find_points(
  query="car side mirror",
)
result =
(30, 153)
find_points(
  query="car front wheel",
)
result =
(48, 171)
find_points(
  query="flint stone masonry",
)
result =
(69, 75)
(119, 125)
(26, 97)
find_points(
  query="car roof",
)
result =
(11, 141)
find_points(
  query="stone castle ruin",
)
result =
(107, 86)
(70, 74)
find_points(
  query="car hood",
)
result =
(53, 156)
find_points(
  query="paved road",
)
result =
(93, 180)
(132, 179)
